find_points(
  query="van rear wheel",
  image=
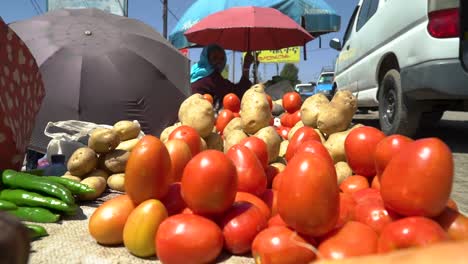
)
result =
(397, 114)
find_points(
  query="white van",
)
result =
(403, 58)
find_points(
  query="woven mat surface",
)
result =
(69, 242)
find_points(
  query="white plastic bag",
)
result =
(69, 135)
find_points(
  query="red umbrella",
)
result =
(248, 29)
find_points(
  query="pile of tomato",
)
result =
(187, 205)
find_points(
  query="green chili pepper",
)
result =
(35, 214)
(19, 180)
(36, 231)
(73, 186)
(22, 197)
(6, 205)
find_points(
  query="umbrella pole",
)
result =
(255, 68)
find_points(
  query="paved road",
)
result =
(452, 129)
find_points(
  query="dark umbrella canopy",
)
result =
(103, 68)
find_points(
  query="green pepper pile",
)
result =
(40, 199)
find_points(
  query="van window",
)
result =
(369, 7)
(350, 26)
(362, 19)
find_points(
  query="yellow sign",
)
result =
(286, 55)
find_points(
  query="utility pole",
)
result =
(165, 19)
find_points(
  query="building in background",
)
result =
(117, 7)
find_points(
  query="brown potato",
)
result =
(71, 177)
(343, 171)
(127, 129)
(234, 124)
(273, 141)
(82, 161)
(203, 144)
(294, 129)
(167, 131)
(98, 184)
(215, 141)
(279, 166)
(116, 160)
(98, 173)
(103, 140)
(233, 138)
(283, 147)
(255, 110)
(116, 182)
(311, 108)
(128, 145)
(198, 113)
(322, 137)
(338, 114)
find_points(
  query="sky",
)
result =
(150, 12)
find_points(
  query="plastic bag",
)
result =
(67, 136)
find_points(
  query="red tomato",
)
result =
(309, 212)
(294, 118)
(248, 197)
(283, 131)
(292, 102)
(240, 225)
(251, 177)
(454, 223)
(209, 183)
(352, 240)
(410, 232)
(188, 238)
(386, 149)
(347, 205)
(375, 183)
(276, 221)
(270, 197)
(280, 245)
(276, 181)
(236, 115)
(224, 117)
(316, 147)
(354, 183)
(259, 147)
(190, 136)
(173, 200)
(180, 155)
(452, 204)
(418, 180)
(270, 102)
(301, 136)
(285, 120)
(232, 102)
(367, 195)
(360, 145)
(271, 172)
(148, 170)
(374, 215)
(208, 97)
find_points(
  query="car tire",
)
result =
(397, 114)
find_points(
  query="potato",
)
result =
(294, 129)
(127, 129)
(335, 145)
(116, 160)
(71, 177)
(203, 144)
(198, 113)
(117, 182)
(255, 110)
(82, 161)
(322, 138)
(233, 138)
(98, 173)
(97, 183)
(167, 131)
(273, 141)
(128, 145)
(338, 114)
(283, 147)
(214, 141)
(103, 140)
(279, 166)
(311, 108)
(343, 171)
(234, 124)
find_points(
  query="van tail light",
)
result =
(444, 23)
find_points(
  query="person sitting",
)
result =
(206, 78)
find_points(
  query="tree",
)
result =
(290, 72)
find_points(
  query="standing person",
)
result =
(206, 78)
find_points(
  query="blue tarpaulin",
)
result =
(316, 16)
